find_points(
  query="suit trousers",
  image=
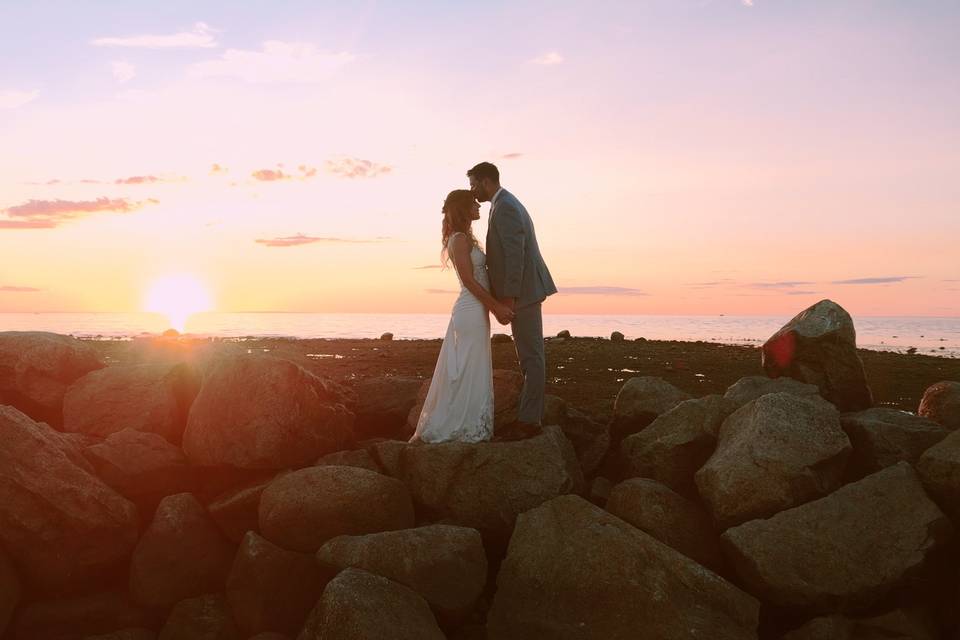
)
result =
(527, 327)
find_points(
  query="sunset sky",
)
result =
(679, 157)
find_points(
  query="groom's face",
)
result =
(481, 189)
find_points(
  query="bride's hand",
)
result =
(503, 313)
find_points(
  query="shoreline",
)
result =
(586, 372)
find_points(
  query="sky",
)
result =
(677, 156)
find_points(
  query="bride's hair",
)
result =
(456, 217)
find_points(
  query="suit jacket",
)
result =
(516, 268)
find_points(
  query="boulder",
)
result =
(37, 367)
(301, 510)
(259, 412)
(445, 564)
(941, 403)
(269, 635)
(9, 591)
(75, 617)
(507, 385)
(154, 398)
(484, 485)
(677, 522)
(819, 346)
(359, 458)
(575, 571)
(565, 333)
(843, 552)
(182, 554)
(674, 446)
(63, 527)
(899, 624)
(750, 388)
(640, 401)
(383, 404)
(616, 336)
(774, 453)
(141, 466)
(939, 469)
(204, 618)
(357, 605)
(237, 511)
(590, 438)
(126, 634)
(882, 437)
(272, 589)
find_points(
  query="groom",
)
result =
(519, 279)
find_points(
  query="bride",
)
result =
(459, 404)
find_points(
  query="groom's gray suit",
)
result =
(517, 270)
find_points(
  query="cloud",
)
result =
(300, 239)
(712, 283)
(200, 37)
(277, 61)
(275, 175)
(122, 71)
(12, 289)
(429, 266)
(511, 156)
(357, 168)
(138, 180)
(882, 280)
(548, 59)
(445, 291)
(801, 293)
(746, 3)
(217, 170)
(14, 99)
(47, 214)
(602, 291)
(781, 285)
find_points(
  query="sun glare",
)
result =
(177, 297)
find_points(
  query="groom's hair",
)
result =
(485, 170)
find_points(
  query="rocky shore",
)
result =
(183, 489)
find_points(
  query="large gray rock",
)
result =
(383, 404)
(675, 521)
(301, 510)
(819, 346)
(590, 438)
(63, 527)
(640, 400)
(445, 564)
(774, 453)
(37, 367)
(750, 388)
(237, 510)
(356, 458)
(272, 589)
(141, 466)
(484, 485)
(882, 437)
(941, 403)
(259, 412)
(9, 591)
(204, 618)
(939, 469)
(146, 397)
(357, 605)
(843, 552)
(675, 445)
(75, 617)
(575, 571)
(182, 554)
(899, 624)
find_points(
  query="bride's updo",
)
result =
(457, 210)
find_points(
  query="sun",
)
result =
(177, 297)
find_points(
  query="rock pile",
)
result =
(250, 498)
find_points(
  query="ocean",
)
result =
(927, 335)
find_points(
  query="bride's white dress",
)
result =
(459, 404)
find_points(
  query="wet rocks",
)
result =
(775, 453)
(259, 412)
(640, 401)
(819, 346)
(941, 403)
(843, 552)
(301, 510)
(574, 571)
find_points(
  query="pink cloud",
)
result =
(357, 168)
(300, 239)
(137, 180)
(13, 289)
(511, 156)
(47, 214)
(269, 175)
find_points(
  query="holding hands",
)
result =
(503, 310)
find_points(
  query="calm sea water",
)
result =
(934, 336)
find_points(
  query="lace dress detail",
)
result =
(459, 404)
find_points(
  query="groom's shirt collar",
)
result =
(493, 200)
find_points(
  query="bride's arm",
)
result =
(460, 250)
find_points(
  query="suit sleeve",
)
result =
(509, 228)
